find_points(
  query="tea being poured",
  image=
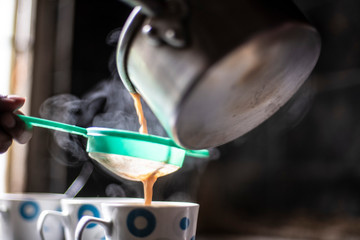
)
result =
(140, 113)
(131, 155)
(149, 180)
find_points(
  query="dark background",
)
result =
(297, 175)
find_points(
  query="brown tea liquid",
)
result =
(148, 181)
(148, 184)
(140, 113)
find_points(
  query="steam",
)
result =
(115, 190)
(119, 111)
(108, 105)
(64, 108)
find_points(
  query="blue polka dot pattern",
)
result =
(88, 208)
(150, 222)
(29, 210)
(193, 238)
(184, 223)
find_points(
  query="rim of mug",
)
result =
(34, 196)
(154, 204)
(80, 200)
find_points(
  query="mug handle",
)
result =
(3, 209)
(85, 220)
(41, 220)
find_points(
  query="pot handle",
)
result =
(134, 20)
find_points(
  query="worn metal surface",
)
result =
(244, 60)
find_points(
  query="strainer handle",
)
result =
(197, 153)
(58, 126)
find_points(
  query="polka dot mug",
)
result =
(159, 221)
(19, 214)
(73, 209)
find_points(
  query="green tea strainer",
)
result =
(130, 155)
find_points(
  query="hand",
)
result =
(11, 126)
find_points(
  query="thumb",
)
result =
(11, 103)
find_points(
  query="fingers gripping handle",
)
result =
(84, 221)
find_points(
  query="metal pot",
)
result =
(212, 71)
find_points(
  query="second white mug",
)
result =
(73, 210)
(19, 213)
(160, 220)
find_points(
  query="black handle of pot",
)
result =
(134, 20)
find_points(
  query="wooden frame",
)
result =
(41, 68)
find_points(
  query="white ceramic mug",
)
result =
(19, 213)
(75, 208)
(160, 220)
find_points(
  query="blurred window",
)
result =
(7, 17)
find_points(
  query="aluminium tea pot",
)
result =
(212, 70)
